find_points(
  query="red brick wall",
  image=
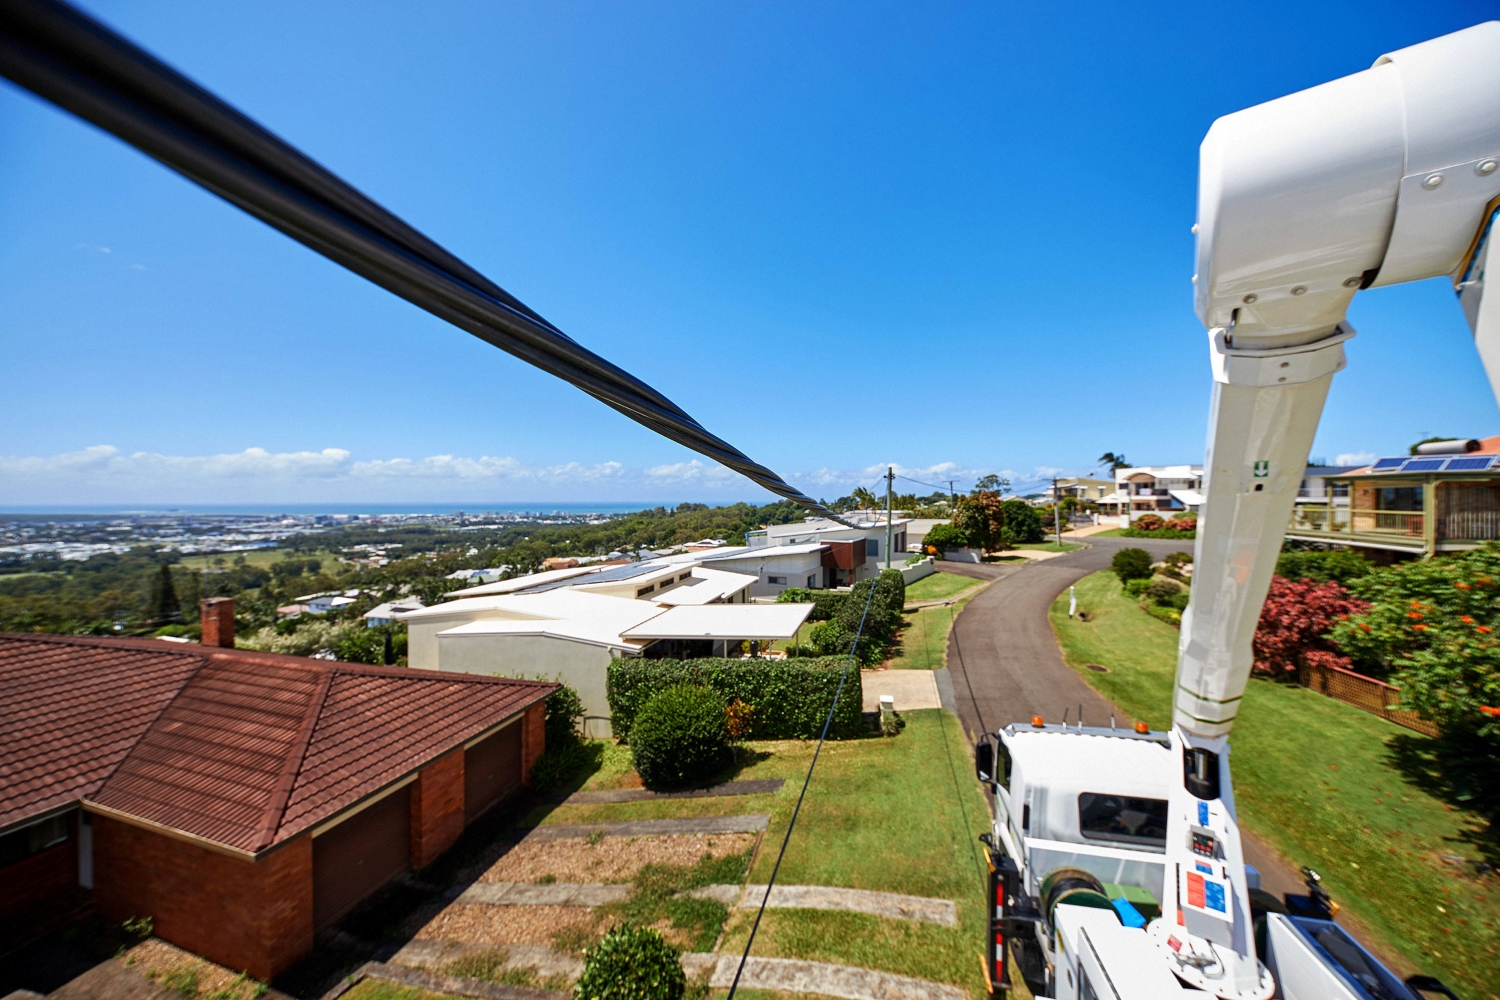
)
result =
(216, 616)
(250, 915)
(533, 739)
(35, 881)
(437, 808)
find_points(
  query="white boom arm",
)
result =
(1386, 176)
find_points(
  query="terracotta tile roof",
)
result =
(242, 748)
(69, 713)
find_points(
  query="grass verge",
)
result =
(1049, 546)
(1319, 780)
(922, 643)
(939, 586)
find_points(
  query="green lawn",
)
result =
(1049, 546)
(939, 586)
(1316, 779)
(922, 643)
(898, 815)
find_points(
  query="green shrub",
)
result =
(945, 536)
(1160, 590)
(789, 699)
(631, 963)
(1023, 523)
(680, 737)
(1131, 564)
(1338, 565)
(564, 710)
(1136, 587)
(830, 638)
(1178, 600)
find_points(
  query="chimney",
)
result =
(216, 614)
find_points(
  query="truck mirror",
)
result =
(984, 760)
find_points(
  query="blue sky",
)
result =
(952, 237)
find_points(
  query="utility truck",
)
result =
(1118, 869)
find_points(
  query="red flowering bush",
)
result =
(1182, 522)
(1295, 622)
(1148, 522)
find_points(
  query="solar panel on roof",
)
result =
(1423, 465)
(1387, 464)
(1469, 464)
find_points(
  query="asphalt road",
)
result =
(1004, 659)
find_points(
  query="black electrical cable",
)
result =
(796, 811)
(66, 57)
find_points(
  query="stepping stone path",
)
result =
(640, 794)
(845, 981)
(881, 904)
(544, 894)
(652, 827)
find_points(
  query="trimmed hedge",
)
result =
(826, 603)
(789, 698)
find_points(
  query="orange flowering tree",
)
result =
(1435, 625)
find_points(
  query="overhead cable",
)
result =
(797, 810)
(60, 54)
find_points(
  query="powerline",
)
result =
(66, 57)
(853, 649)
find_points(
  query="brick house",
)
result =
(242, 800)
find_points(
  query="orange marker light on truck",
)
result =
(1036, 720)
(1141, 727)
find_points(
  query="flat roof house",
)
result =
(243, 801)
(569, 629)
(1155, 489)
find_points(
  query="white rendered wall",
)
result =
(580, 665)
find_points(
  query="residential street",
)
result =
(1003, 656)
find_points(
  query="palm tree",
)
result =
(1114, 461)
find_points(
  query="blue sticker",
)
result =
(1203, 814)
(1205, 869)
(1213, 897)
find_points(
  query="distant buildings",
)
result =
(1155, 489)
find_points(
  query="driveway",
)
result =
(1003, 656)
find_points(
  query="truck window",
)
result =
(1123, 819)
(1002, 764)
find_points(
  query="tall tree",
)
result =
(164, 608)
(981, 517)
(1114, 461)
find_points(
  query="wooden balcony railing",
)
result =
(1326, 519)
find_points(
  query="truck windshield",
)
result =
(1123, 819)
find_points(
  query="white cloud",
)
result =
(1355, 458)
(103, 474)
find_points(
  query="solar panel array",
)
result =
(1427, 463)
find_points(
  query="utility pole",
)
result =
(1057, 512)
(890, 480)
(952, 495)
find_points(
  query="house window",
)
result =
(872, 548)
(645, 590)
(684, 576)
(1400, 498)
(781, 580)
(812, 581)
